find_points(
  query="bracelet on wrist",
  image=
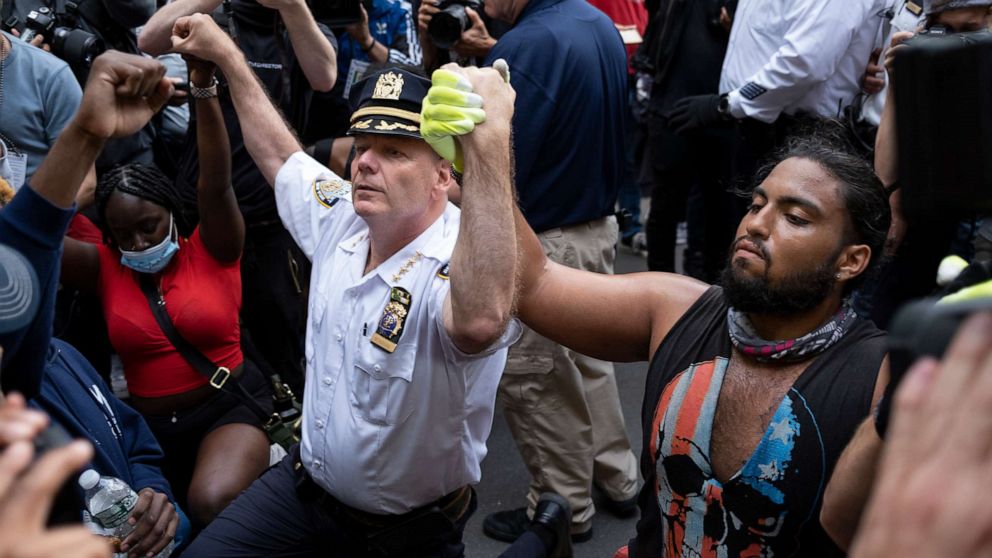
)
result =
(208, 92)
(371, 45)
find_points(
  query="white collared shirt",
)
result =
(798, 55)
(907, 15)
(384, 432)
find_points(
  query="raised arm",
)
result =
(156, 36)
(222, 228)
(887, 148)
(123, 92)
(268, 138)
(620, 318)
(482, 267)
(313, 49)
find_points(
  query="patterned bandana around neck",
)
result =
(747, 340)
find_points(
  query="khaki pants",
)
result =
(563, 408)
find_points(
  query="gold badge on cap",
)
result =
(390, 327)
(329, 190)
(388, 87)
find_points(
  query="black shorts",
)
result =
(180, 434)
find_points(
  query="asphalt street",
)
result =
(505, 479)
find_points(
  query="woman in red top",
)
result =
(214, 445)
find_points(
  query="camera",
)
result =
(338, 13)
(446, 27)
(943, 88)
(77, 47)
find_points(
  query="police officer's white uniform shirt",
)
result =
(906, 16)
(384, 432)
(798, 56)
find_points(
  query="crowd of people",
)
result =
(274, 263)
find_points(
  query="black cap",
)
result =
(388, 102)
(18, 290)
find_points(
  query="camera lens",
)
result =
(77, 47)
(446, 27)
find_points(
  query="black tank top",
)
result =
(771, 506)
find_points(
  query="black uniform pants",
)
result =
(284, 513)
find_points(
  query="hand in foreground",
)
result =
(17, 422)
(938, 450)
(155, 523)
(199, 36)
(122, 94)
(693, 113)
(26, 493)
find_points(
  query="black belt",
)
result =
(454, 505)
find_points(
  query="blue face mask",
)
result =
(154, 259)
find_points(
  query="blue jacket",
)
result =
(34, 227)
(569, 69)
(76, 397)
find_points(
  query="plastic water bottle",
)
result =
(109, 501)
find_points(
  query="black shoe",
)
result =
(554, 514)
(506, 525)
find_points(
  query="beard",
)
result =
(796, 293)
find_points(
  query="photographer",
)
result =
(927, 501)
(76, 32)
(910, 275)
(478, 32)
(384, 34)
(916, 250)
(292, 55)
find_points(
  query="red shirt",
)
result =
(203, 298)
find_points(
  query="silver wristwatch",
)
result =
(208, 92)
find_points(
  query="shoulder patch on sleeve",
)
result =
(752, 91)
(329, 191)
(443, 272)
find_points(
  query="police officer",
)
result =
(784, 59)
(407, 330)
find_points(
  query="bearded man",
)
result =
(753, 388)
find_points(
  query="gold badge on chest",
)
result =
(390, 327)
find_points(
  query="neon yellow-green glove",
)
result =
(450, 109)
(980, 291)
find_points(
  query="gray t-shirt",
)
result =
(38, 97)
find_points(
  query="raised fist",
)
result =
(122, 94)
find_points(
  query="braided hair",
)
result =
(145, 182)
